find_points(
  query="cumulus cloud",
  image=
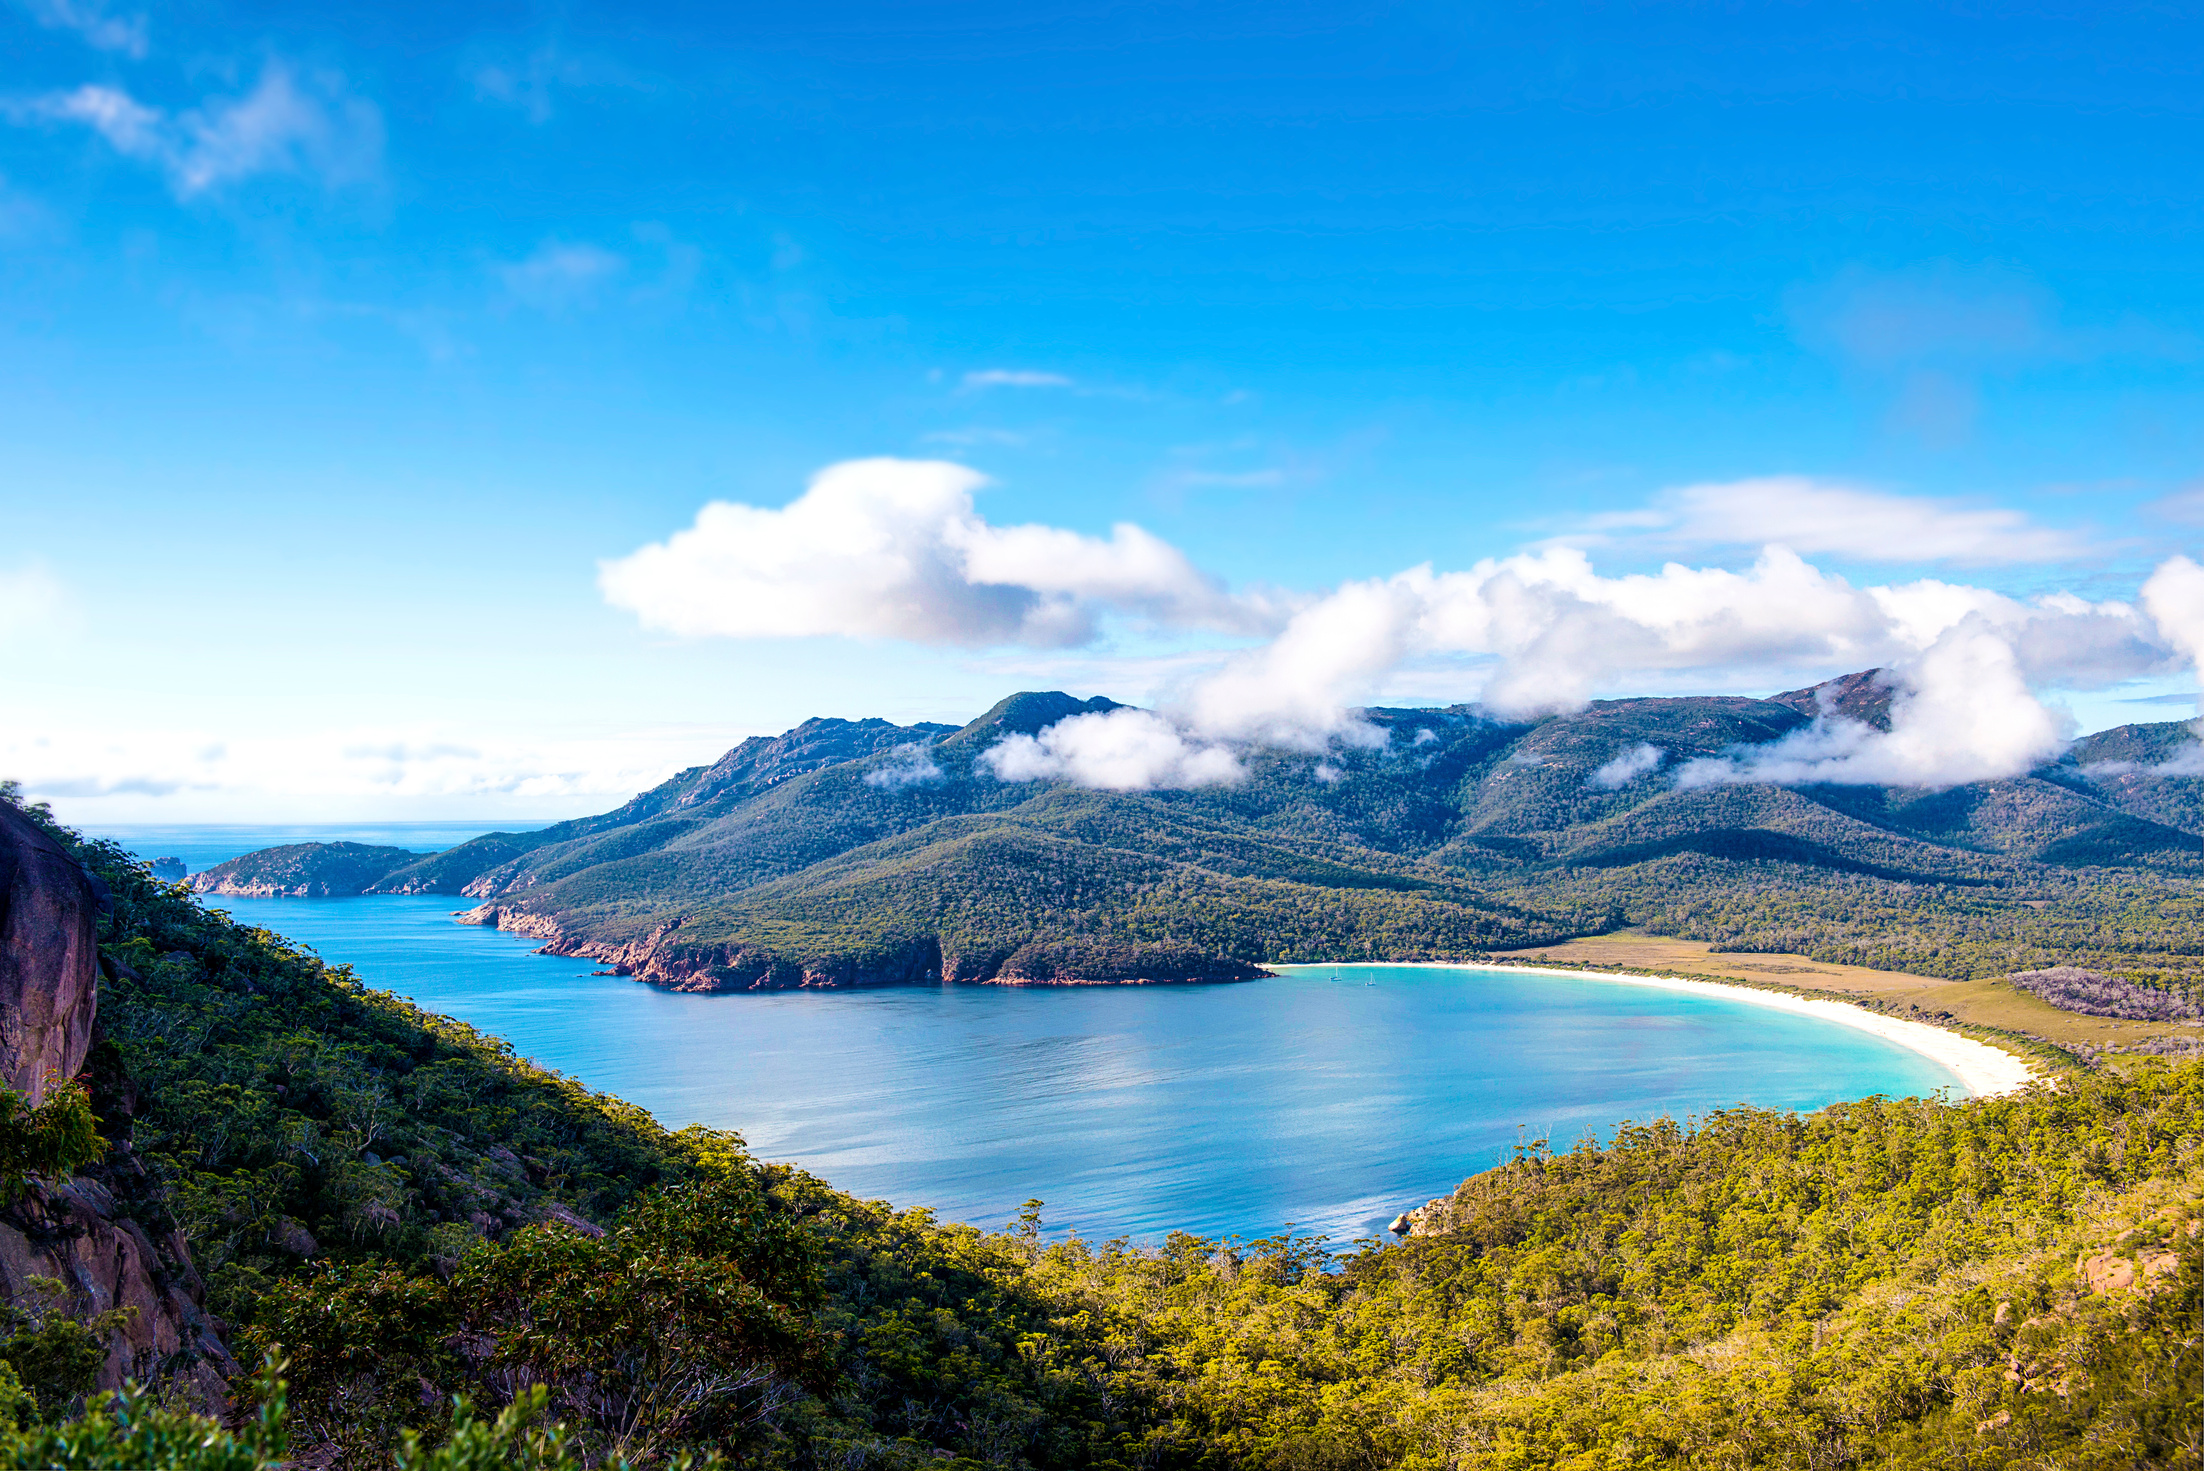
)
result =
(290, 122)
(1819, 517)
(1553, 631)
(1014, 378)
(1627, 767)
(1122, 750)
(895, 549)
(1964, 712)
(93, 22)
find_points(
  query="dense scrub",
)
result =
(1891, 1283)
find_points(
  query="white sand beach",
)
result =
(1984, 1071)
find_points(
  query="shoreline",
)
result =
(1983, 1071)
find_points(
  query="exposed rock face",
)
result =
(78, 1233)
(49, 957)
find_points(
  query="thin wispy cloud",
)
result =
(1227, 479)
(531, 84)
(559, 275)
(32, 602)
(1952, 317)
(1828, 518)
(976, 435)
(291, 122)
(93, 22)
(1929, 337)
(1013, 378)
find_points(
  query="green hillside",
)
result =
(407, 1213)
(861, 852)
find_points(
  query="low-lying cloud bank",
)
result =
(896, 549)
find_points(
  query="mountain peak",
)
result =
(1029, 713)
(1864, 696)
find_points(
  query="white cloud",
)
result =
(908, 766)
(1816, 517)
(1964, 712)
(2174, 598)
(1627, 767)
(1014, 378)
(895, 549)
(91, 20)
(306, 124)
(1554, 632)
(559, 274)
(1123, 750)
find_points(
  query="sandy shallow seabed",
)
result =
(1984, 1071)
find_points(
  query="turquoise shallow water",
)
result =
(1330, 1104)
(1327, 1103)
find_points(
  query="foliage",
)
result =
(49, 1142)
(689, 1321)
(2070, 988)
(52, 1358)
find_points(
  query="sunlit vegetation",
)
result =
(459, 1260)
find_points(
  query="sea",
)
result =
(1321, 1102)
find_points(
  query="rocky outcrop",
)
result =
(169, 870)
(49, 957)
(90, 1233)
(104, 1257)
(1864, 697)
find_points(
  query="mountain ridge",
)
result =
(844, 853)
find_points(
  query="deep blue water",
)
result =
(1327, 1103)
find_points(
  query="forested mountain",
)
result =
(845, 853)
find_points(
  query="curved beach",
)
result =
(1984, 1071)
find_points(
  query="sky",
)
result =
(460, 411)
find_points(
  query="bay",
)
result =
(1325, 1099)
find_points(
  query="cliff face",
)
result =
(49, 957)
(90, 1234)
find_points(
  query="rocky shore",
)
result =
(662, 958)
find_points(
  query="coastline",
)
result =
(1982, 1070)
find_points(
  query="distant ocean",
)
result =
(202, 846)
(1330, 1100)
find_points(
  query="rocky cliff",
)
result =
(103, 1234)
(49, 957)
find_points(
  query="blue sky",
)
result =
(339, 347)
